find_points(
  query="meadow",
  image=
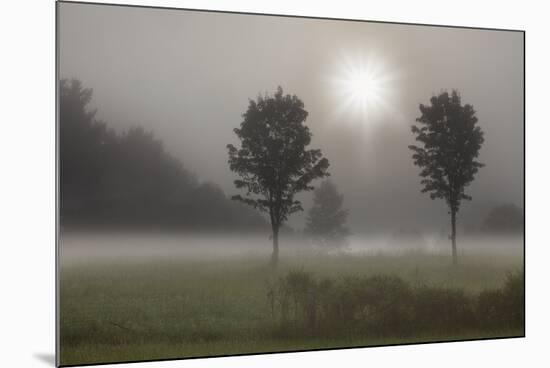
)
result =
(176, 307)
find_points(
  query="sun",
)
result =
(363, 85)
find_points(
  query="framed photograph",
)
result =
(235, 183)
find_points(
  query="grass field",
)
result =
(175, 308)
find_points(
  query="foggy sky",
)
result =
(188, 77)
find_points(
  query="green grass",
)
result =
(142, 310)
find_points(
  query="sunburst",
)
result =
(363, 85)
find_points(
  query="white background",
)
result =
(27, 182)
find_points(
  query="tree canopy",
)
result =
(450, 140)
(273, 162)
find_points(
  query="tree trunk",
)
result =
(275, 254)
(453, 236)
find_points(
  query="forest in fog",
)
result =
(128, 180)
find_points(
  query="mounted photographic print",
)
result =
(235, 183)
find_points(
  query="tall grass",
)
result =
(387, 306)
(145, 309)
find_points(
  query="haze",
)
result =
(187, 76)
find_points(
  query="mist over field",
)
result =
(77, 248)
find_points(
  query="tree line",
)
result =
(129, 180)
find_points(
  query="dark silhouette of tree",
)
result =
(326, 218)
(449, 145)
(84, 143)
(506, 218)
(128, 179)
(273, 163)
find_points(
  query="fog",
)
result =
(90, 248)
(187, 76)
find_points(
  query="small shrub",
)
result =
(443, 310)
(514, 299)
(489, 309)
(504, 308)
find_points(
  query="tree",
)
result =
(326, 219)
(449, 145)
(506, 218)
(273, 163)
(84, 144)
